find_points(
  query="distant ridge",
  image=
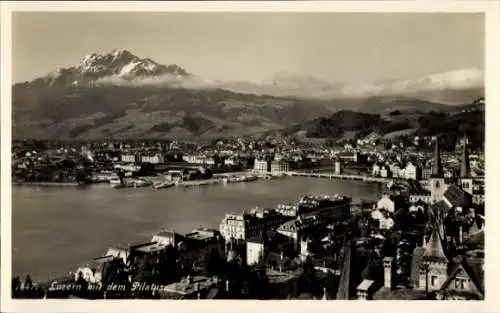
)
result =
(121, 95)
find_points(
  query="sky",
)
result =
(339, 47)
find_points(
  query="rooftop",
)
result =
(201, 234)
(457, 197)
(434, 249)
(150, 247)
(365, 284)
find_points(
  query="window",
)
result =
(433, 280)
(459, 283)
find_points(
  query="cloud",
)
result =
(283, 85)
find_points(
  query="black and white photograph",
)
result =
(246, 155)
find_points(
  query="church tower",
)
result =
(465, 165)
(433, 264)
(436, 181)
(465, 181)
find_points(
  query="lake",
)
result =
(55, 229)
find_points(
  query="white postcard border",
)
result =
(492, 79)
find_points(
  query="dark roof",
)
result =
(434, 251)
(439, 207)
(343, 292)
(259, 238)
(473, 269)
(457, 197)
(263, 237)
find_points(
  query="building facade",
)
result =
(279, 166)
(156, 158)
(247, 225)
(262, 166)
(129, 158)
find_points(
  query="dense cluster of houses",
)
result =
(422, 239)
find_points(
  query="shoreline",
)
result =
(219, 179)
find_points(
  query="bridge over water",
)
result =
(338, 176)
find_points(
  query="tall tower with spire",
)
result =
(465, 180)
(436, 182)
(465, 165)
(437, 166)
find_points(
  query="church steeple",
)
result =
(465, 166)
(434, 251)
(437, 166)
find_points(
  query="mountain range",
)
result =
(121, 95)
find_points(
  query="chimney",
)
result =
(227, 285)
(198, 296)
(424, 242)
(364, 288)
(325, 296)
(388, 270)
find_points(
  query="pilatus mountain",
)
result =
(120, 95)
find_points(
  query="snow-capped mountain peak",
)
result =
(117, 64)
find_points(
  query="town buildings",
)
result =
(301, 226)
(153, 158)
(280, 166)
(472, 185)
(261, 165)
(249, 224)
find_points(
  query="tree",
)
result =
(257, 283)
(212, 262)
(16, 287)
(308, 281)
(82, 284)
(28, 283)
(144, 269)
(167, 268)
